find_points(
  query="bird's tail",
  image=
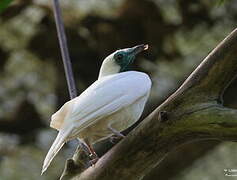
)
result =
(56, 146)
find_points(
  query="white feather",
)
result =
(106, 96)
(98, 105)
(56, 146)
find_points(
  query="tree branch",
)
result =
(216, 122)
(216, 71)
(192, 113)
(64, 50)
(71, 165)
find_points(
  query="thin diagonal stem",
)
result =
(64, 50)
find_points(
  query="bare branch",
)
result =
(216, 71)
(148, 145)
(192, 113)
(215, 122)
(64, 50)
(71, 164)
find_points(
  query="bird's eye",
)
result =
(120, 56)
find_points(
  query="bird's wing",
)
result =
(57, 118)
(105, 96)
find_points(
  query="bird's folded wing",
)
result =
(106, 96)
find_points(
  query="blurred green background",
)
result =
(180, 34)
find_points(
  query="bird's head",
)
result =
(120, 60)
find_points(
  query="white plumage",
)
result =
(115, 100)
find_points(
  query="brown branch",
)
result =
(71, 164)
(216, 71)
(64, 50)
(192, 113)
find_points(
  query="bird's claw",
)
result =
(93, 156)
(115, 139)
(93, 161)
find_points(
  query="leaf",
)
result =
(4, 4)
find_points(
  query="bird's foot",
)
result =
(116, 133)
(114, 139)
(93, 155)
(94, 159)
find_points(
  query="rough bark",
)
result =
(181, 159)
(194, 112)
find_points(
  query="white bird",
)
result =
(111, 104)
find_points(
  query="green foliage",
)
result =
(4, 4)
(222, 2)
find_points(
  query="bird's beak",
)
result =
(137, 49)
